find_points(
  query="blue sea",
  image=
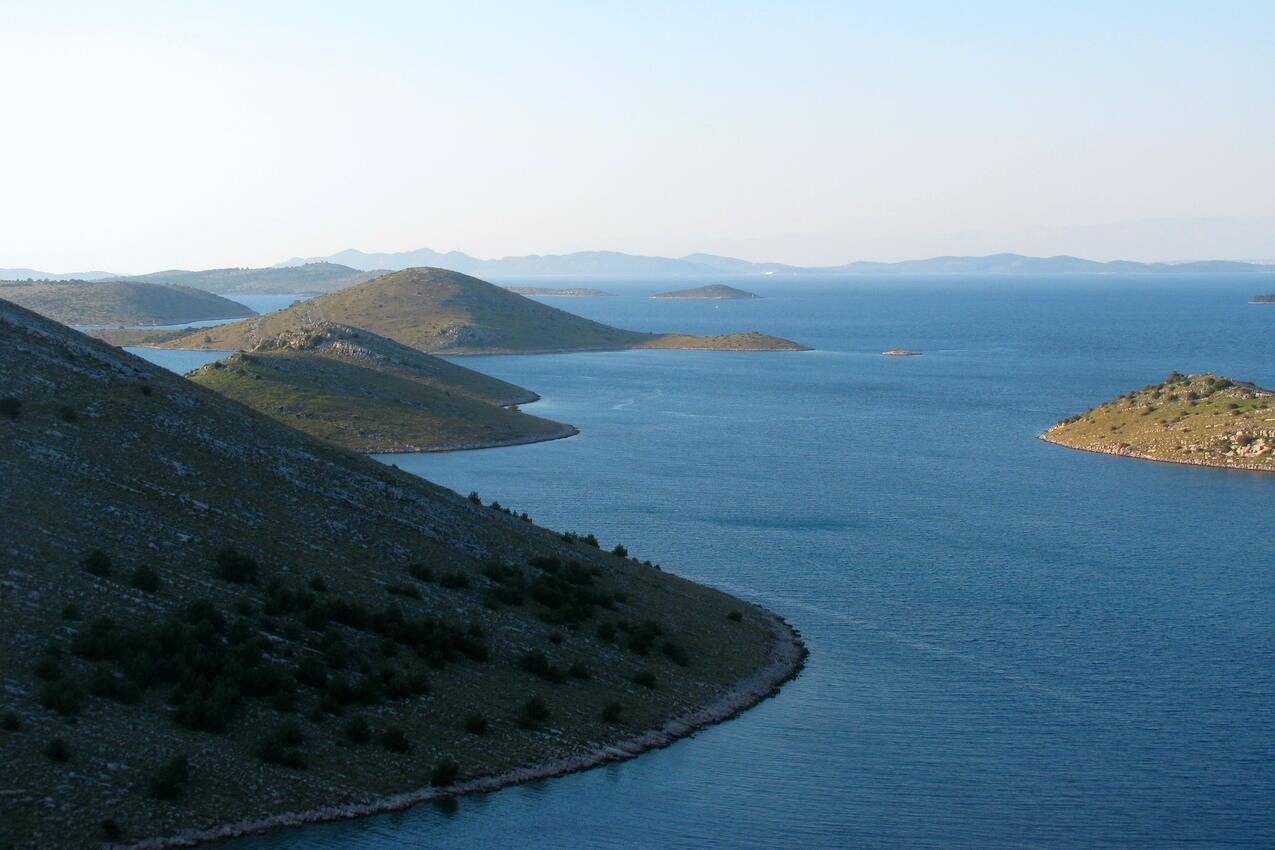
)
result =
(1012, 644)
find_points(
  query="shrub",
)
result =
(167, 781)
(57, 749)
(68, 414)
(556, 637)
(591, 541)
(619, 551)
(48, 668)
(444, 773)
(611, 713)
(454, 580)
(318, 585)
(606, 632)
(676, 653)
(10, 722)
(110, 829)
(10, 406)
(474, 497)
(98, 563)
(549, 564)
(646, 679)
(475, 723)
(535, 709)
(145, 579)
(236, 568)
(289, 734)
(70, 611)
(421, 572)
(357, 730)
(396, 589)
(735, 616)
(579, 670)
(63, 696)
(395, 740)
(536, 663)
(312, 672)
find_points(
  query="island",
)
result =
(1267, 298)
(370, 394)
(712, 292)
(444, 312)
(216, 624)
(901, 352)
(545, 292)
(1206, 420)
(120, 303)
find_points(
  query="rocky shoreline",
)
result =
(561, 434)
(787, 658)
(1251, 467)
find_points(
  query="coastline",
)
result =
(787, 658)
(1246, 467)
(526, 440)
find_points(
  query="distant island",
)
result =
(215, 624)
(901, 352)
(712, 292)
(441, 311)
(1268, 298)
(544, 292)
(1207, 420)
(115, 302)
(370, 394)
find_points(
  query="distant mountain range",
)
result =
(614, 263)
(32, 274)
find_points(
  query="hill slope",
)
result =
(112, 302)
(370, 394)
(1205, 420)
(311, 277)
(712, 292)
(363, 628)
(442, 311)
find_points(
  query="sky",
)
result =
(136, 136)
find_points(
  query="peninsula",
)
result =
(1207, 420)
(440, 311)
(546, 292)
(113, 302)
(214, 623)
(712, 292)
(370, 394)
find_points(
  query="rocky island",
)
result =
(370, 394)
(1207, 420)
(545, 292)
(1267, 298)
(215, 624)
(712, 292)
(445, 312)
(117, 302)
(901, 352)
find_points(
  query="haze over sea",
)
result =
(1012, 643)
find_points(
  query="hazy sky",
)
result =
(137, 136)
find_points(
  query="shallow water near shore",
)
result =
(1012, 643)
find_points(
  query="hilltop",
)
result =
(370, 394)
(307, 278)
(712, 292)
(1206, 420)
(436, 310)
(214, 623)
(111, 302)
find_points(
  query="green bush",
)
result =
(10, 722)
(63, 696)
(474, 497)
(444, 773)
(454, 580)
(145, 579)
(535, 709)
(10, 406)
(357, 730)
(536, 663)
(611, 713)
(98, 563)
(167, 781)
(395, 740)
(475, 723)
(646, 679)
(619, 551)
(235, 568)
(57, 749)
(70, 611)
(68, 414)
(579, 670)
(735, 616)
(421, 572)
(606, 632)
(110, 829)
(678, 655)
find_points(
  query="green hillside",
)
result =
(113, 302)
(1206, 420)
(370, 394)
(447, 312)
(209, 618)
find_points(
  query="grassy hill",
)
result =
(1199, 419)
(447, 312)
(310, 277)
(370, 394)
(210, 618)
(112, 302)
(712, 292)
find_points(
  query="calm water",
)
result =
(1013, 644)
